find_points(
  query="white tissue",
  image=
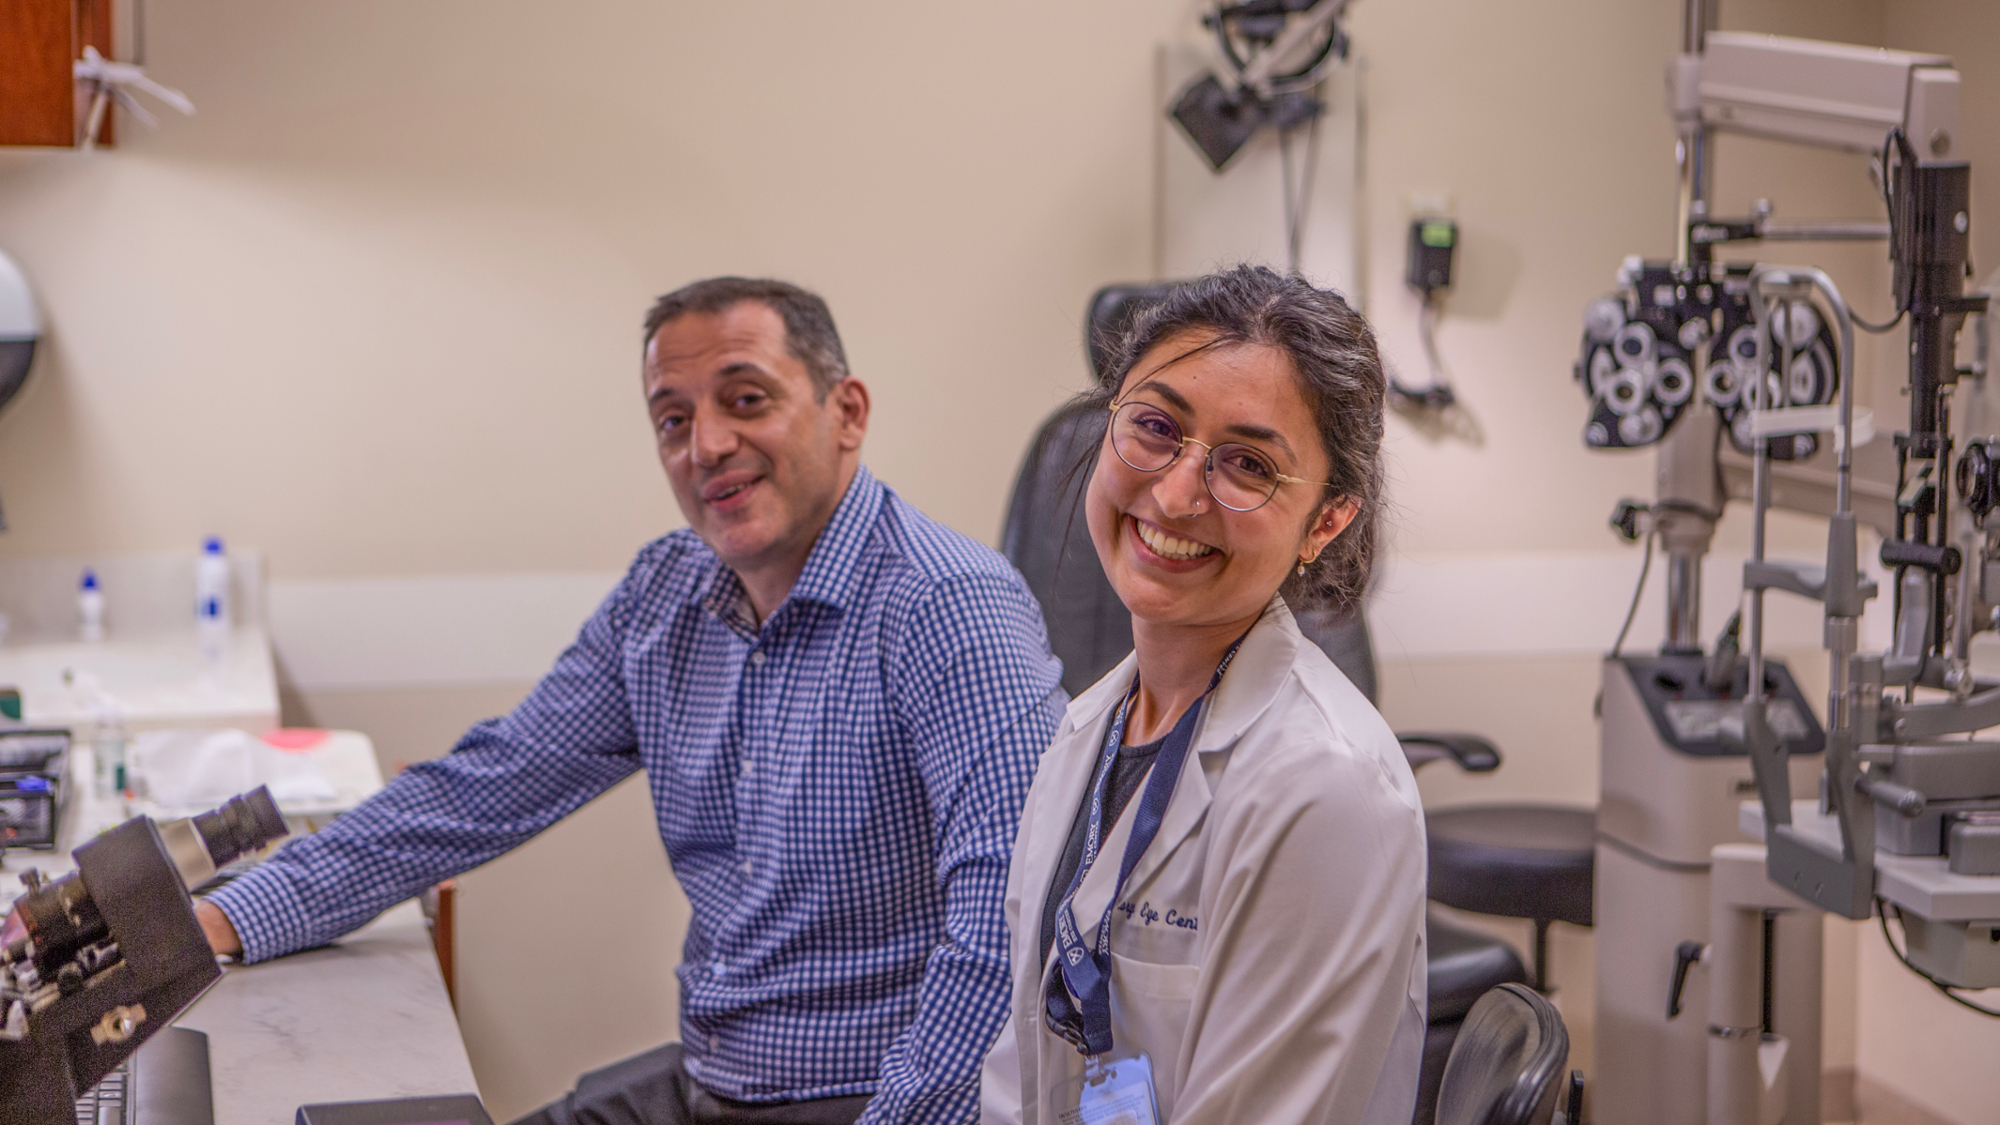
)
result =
(190, 771)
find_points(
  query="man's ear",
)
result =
(849, 401)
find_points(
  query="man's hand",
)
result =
(222, 936)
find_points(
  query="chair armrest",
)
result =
(1472, 753)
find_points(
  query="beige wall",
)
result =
(374, 311)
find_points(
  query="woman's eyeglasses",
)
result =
(1240, 477)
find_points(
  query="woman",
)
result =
(1216, 896)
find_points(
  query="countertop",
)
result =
(362, 1019)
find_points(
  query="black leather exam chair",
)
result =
(1508, 1064)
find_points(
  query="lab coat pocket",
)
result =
(1154, 982)
(1150, 1006)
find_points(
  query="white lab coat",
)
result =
(1268, 951)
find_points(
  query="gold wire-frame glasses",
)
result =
(1240, 477)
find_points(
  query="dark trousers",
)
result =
(655, 1089)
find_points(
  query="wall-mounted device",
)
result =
(20, 331)
(20, 328)
(1433, 245)
(113, 953)
(1277, 58)
(1433, 241)
(1277, 50)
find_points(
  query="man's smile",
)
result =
(730, 491)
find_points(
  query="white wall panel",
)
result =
(378, 632)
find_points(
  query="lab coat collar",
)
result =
(1247, 690)
(830, 572)
(1253, 681)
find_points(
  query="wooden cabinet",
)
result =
(39, 40)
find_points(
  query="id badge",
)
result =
(1110, 1093)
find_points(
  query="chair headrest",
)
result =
(1110, 313)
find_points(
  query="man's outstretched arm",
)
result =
(507, 779)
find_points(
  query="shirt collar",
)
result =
(830, 574)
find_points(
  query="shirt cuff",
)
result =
(266, 913)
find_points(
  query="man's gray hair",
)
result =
(809, 332)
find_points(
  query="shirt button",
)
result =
(747, 769)
(715, 1042)
(746, 866)
(757, 659)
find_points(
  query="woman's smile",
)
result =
(1167, 547)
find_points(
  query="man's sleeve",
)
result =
(506, 780)
(976, 689)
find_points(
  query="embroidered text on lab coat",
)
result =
(1145, 913)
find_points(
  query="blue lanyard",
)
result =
(1084, 971)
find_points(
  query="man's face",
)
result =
(756, 459)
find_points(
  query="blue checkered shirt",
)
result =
(837, 791)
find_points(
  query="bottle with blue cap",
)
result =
(90, 607)
(211, 596)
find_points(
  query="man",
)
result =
(838, 705)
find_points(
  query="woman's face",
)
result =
(1176, 556)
